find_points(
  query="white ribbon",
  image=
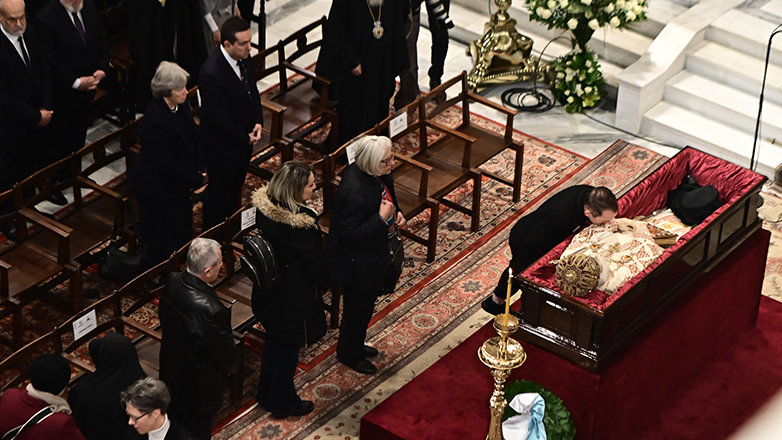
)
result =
(528, 425)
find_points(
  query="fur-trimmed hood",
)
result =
(305, 218)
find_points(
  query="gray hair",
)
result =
(202, 254)
(168, 76)
(288, 183)
(369, 152)
(147, 395)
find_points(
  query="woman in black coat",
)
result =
(95, 400)
(364, 219)
(167, 167)
(292, 313)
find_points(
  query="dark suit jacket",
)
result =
(168, 164)
(175, 432)
(228, 112)
(67, 55)
(23, 92)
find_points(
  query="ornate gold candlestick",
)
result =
(501, 354)
(503, 55)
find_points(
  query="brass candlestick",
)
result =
(501, 354)
(503, 55)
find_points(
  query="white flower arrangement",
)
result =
(579, 82)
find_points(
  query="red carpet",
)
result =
(698, 374)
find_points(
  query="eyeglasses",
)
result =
(135, 419)
(389, 160)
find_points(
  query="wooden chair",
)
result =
(304, 110)
(90, 224)
(487, 143)
(424, 179)
(272, 141)
(28, 271)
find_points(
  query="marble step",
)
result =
(745, 33)
(683, 127)
(735, 69)
(722, 103)
(659, 14)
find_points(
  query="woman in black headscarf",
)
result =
(95, 400)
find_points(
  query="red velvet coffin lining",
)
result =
(732, 181)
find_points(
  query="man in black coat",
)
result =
(77, 51)
(25, 97)
(231, 120)
(198, 348)
(541, 230)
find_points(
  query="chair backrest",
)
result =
(434, 104)
(14, 368)
(46, 183)
(306, 39)
(105, 150)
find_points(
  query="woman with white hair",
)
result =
(364, 226)
(167, 167)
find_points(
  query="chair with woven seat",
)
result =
(487, 143)
(305, 110)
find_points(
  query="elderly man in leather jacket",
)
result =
(198, 347)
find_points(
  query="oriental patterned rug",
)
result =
(431, 302)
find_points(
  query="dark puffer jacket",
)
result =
(293, 312)
(358, 237)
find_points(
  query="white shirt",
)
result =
(14, 39)
(160, 434)
(232, 62)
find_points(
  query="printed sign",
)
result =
(398, 124)
(248, 218)
(84, 325)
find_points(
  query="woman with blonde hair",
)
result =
(292, 313)
(364, 230)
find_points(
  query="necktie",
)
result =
(24, 52)
(80, 28)
(245, 77)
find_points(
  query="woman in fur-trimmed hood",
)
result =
(291, 313)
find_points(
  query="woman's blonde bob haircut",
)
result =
(288, 183)
(168, 76)
(369, 152)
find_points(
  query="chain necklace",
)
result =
(377, 29)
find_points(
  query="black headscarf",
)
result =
(95, 400)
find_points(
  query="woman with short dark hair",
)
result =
(292, 313)
(167, 167)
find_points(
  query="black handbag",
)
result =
(396, 255)
(118, 265)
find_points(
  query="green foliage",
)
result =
(556, 418)
(579, 82)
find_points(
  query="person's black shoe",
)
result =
(370, 352)
(58, 198)
(489, 306)
(305, 408)
(363, 366)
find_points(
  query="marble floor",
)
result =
(586, 134)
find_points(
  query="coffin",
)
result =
(590, 331)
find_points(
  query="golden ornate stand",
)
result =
(501, 354)
(503, 55)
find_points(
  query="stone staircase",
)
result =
(712, 104)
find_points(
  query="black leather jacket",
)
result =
(198, 347)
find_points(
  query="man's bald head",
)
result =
(12, 16)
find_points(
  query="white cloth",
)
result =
(528, 425)
(60, 404)
(160, 433)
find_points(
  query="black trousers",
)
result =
(165, 225)
(521, 258)
(276, 392)
(223, 195)
(408, 79)
(357, 310)
(72, 118)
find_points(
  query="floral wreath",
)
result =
(556, 418)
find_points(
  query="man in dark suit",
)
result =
(77, 51)
(25, 96)
(231, 119)
(539, 231)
